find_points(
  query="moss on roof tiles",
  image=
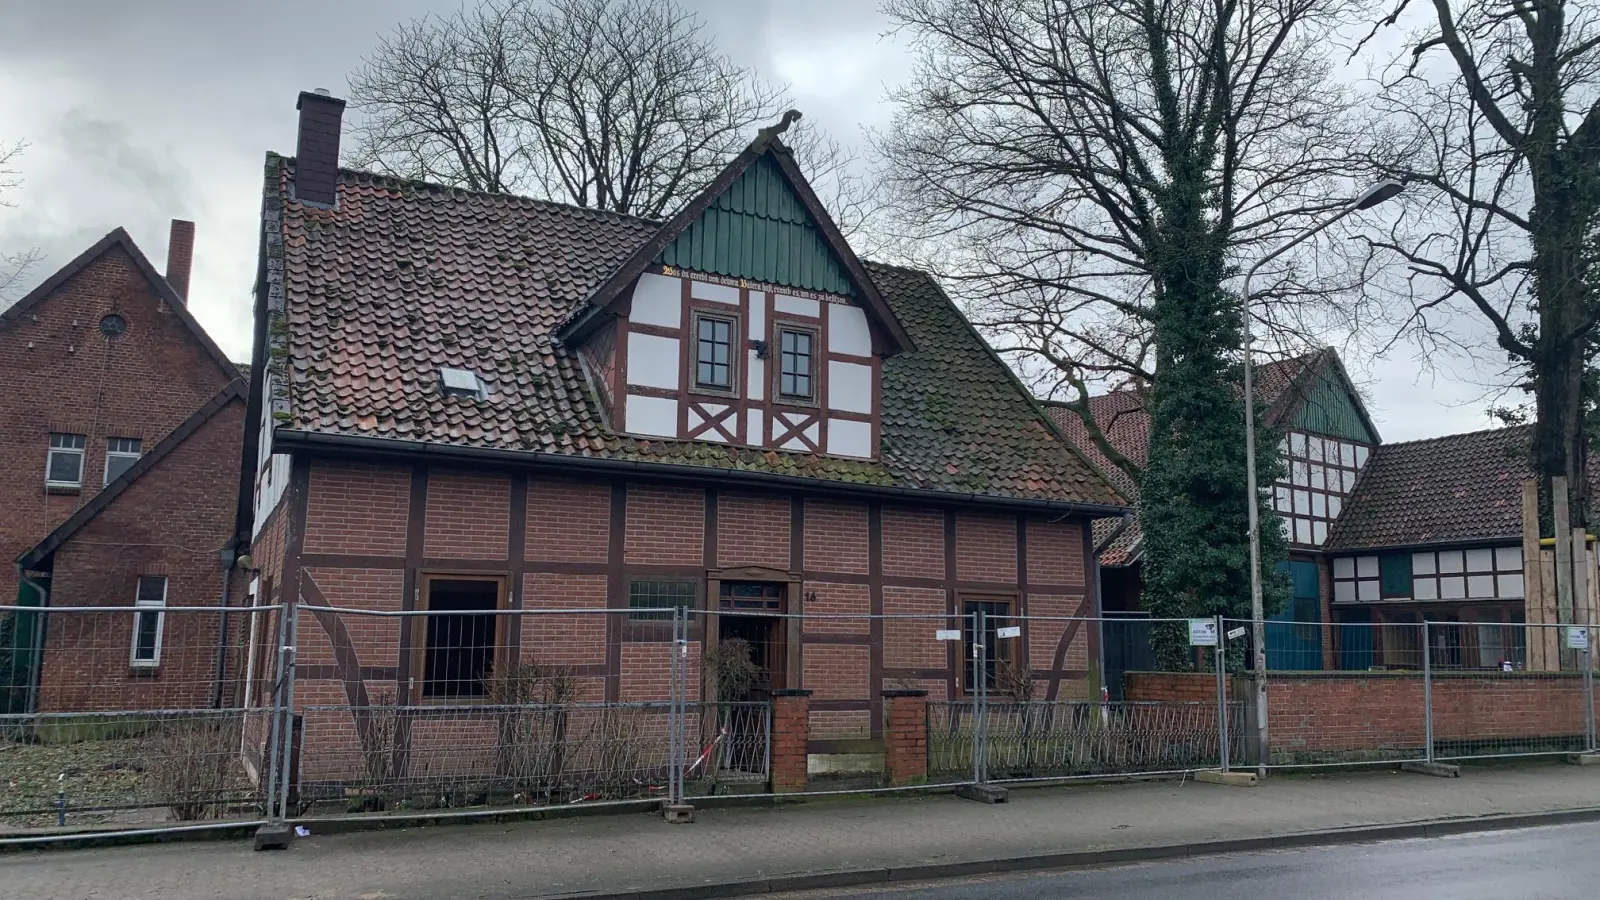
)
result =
(401, 278)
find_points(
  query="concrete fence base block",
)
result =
(274, 836)
(983, 793)
(1584, 759)
(678, 813)
(1438, 770)
(1235, 779)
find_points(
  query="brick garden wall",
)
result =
(1327, 717)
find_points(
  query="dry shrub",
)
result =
(532, 718)
(191, 765)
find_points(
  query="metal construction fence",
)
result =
(166, 718)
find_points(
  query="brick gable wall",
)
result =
(168, 522)
(62, 375)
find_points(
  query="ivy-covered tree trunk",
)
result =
(1194, 494)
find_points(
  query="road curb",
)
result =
(1092, 858)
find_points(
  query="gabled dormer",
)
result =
(745, 320)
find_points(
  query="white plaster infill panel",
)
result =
(847, 437)
(658, 300)
(653, 361)
(753, 426)
(655, 416)
(758, 316)
(717, 293)
(849, 387)
(848, 331)
(797, 306)
(756, 374)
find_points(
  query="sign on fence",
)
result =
(1009, 631)
(1202, 632)
(947, 634)
(1577, 637)
(1235, 633)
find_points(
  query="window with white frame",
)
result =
(149, 617)
(1321, 473)
(64, 466)
(121, 454)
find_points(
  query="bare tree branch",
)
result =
(15, 266)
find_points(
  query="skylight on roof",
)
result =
(462, 383)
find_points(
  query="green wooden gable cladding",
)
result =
(1328, 409)
(758, 229)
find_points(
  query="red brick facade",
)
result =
(582, 545)
(151, 375)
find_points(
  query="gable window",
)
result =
(796, 364)
(149, 604)
(714, 360)
(64, 467)
(121, 454)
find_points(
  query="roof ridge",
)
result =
(402, 181)
(1448, 437)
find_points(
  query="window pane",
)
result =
(66, 441)
(117, 463)
(460, 638)
(66, 467)
(1395, 574)
(144, 638)
(659, 595)
(714, 353)
(795, 364)
(152, 589)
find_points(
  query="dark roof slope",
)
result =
(401, 278)
(119, 237)
(1460, 487)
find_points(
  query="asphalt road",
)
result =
(1555, 863)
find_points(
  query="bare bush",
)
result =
(192, 765)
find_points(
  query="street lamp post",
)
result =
(1369, 198)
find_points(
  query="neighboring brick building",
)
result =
(120, 433)
(1381, 535)
(586, 410)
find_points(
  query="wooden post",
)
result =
(1533, 587)
(1580, 576)
(1563, 526)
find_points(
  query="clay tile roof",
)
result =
(401, 278)
(1455, 488)
(1126, 423)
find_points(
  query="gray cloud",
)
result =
(142, 112)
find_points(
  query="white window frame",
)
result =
(120, 454)
(141, 608)
(50, 456)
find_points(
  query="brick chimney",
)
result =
(180, 256)
(316, 166)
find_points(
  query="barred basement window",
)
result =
(659, 595)
(149, 603)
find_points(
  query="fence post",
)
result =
(791, 715)
(286, 733)
(1222, 690)
(275, 834)
(980, 680)
(677, 809)
(905, 738)
(1427, 691)
(1588, 690)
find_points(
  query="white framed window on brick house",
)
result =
(149, 619)
(64, 465)
(1480, 573)
(121, 454)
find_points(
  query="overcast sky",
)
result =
(139, 113)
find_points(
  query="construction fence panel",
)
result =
(136, 718)
(460, 709)
(1508, 689)
(1363, 702)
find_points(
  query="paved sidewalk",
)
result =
(632, 852)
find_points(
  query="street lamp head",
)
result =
(1378, 193)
